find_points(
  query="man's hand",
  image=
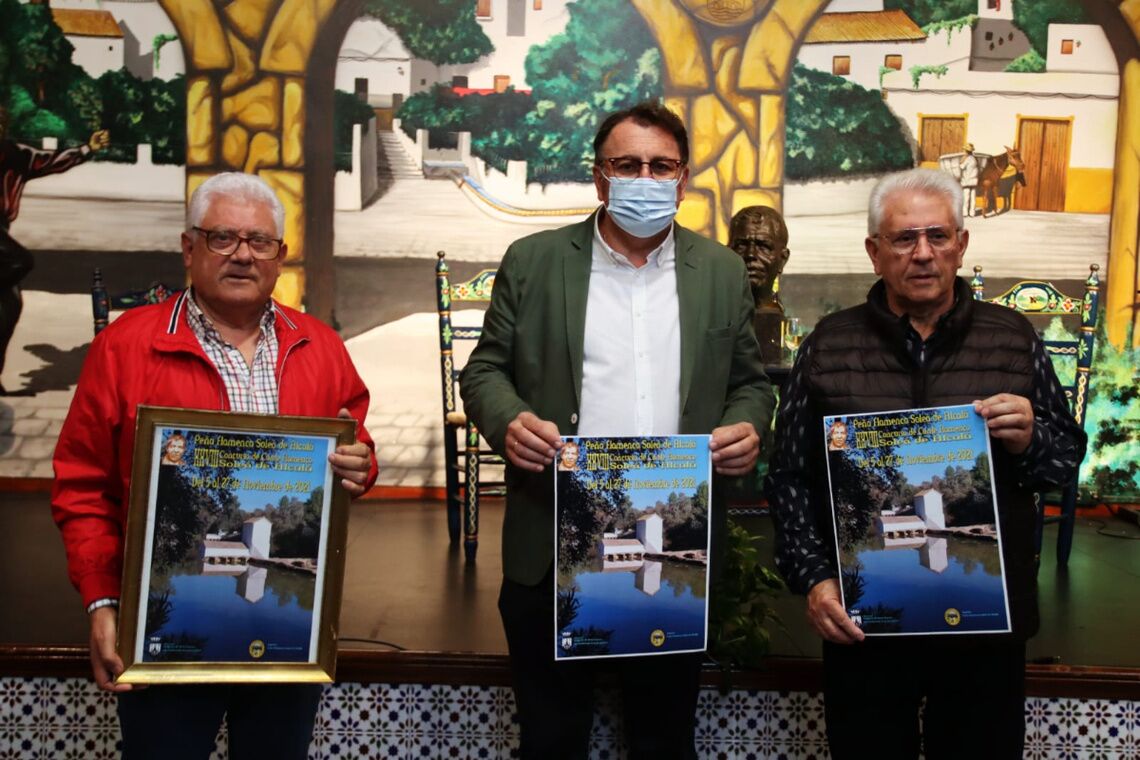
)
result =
(735, 448)
(351, 463)
(531, 442)
(826, 614)
(106, 664)
(99, 140)
(1009, 419)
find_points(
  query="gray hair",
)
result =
(930, 181)
(246, 187)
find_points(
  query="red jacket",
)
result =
(150, 356)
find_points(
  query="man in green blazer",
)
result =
(624, 324)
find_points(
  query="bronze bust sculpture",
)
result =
(760, 237)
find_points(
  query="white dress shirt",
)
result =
(631, 366)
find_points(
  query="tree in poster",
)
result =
(863, 484)
(591, 501)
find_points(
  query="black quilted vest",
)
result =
(860, 363)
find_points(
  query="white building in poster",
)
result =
(928, 506)
(650, 534)
(255, 534)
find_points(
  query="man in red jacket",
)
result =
(223, 344)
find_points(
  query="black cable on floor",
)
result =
(1103, 530)
(389, 644)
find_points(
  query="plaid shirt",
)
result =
(250, 387)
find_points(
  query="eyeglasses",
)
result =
(629, 167)
(904, 242)
(226, 242)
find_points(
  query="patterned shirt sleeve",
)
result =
(802, 557)
(1057, 445)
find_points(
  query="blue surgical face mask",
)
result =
(642, 206)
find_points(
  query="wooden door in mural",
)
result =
(1044, 147)
(941, 135)
(384, 118)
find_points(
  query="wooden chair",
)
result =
(1037, 297)
(102, 303)
(462, 460)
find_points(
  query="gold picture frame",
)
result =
(204, 601)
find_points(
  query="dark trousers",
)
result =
(555, 699)
(974, 691)
(266, 721)
(15, 263)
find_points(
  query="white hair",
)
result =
(247, 187)
(929, 181)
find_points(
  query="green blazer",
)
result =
(529, 358)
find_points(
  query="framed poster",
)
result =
(234, 560)
(917, 536)
(631, 546)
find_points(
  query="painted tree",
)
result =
(605, 60)
(443, 31)
(37, 47)
(837, 128)
(925, 12)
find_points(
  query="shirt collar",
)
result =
(204, 329)
(660, 256)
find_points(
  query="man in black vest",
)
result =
(920, 340)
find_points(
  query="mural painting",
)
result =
(394, 130)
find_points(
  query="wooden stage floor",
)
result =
(406, 586)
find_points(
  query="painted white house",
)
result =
(141, 23)
(512, 26)
(855, 44)
(1063, 124)
(995, 9)
(848, 6)
(1080, 48)
(374, 62)
(928, 506)
(650, 533)
(96, 36)
(255, 534)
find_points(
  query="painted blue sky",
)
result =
(293, 482)
(645, 498)
(918, 473)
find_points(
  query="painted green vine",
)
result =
(157, 44)
(916, 72)
(950, 26)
